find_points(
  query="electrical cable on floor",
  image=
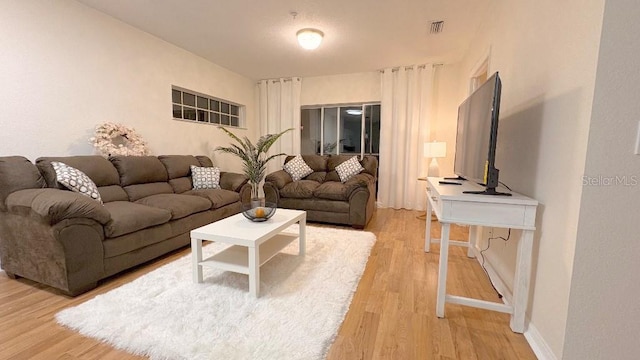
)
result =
(482, 255)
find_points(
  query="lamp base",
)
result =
(434, 170)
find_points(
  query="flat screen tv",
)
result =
(477, 136)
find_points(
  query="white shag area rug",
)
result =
(164, 315)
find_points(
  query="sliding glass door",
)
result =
(345, 129)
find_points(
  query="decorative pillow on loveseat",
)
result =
(349, 169)
(297, 168)
(205, 177)
(76, 180)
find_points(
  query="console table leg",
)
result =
(427, 233)
(442, 270)
(196, 258)
(473, 236)
(521, 281)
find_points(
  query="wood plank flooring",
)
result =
(392, 315)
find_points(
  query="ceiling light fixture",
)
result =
(309, 38)
(354, 112)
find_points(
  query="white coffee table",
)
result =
(254, 243)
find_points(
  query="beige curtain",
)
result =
(279, 109)
(406, 110)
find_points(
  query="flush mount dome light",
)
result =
(354, 112)
(309, 38)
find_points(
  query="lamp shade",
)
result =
(309, 38)
(435, 149)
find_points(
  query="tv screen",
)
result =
(477, 135)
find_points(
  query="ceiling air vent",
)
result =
(435, 27)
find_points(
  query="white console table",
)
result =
(452, 206)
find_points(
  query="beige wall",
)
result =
(66, 68)
(546, 52)
(603, 305)
(447, 99)
(365, 87)
(341, 89)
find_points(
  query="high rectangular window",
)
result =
(193, 106)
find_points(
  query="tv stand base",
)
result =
(487, 192)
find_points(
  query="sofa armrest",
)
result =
(271, 192)
(232, 181)
(362, 199)
(55, 205)
(245, 193)
(361, 179)
(278, 178)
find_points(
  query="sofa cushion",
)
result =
(335, 190)
(139, 169)
(205, 177)
(179, 205)
(204, 161)
(232, 181)
(279, 178)
(139, 191)
(349, 168)
(181, 185)
(17, 173)
(178, 165)
(297, 168)
(368, 162)
(332, 176)
(97, 168)
(75, 180)
(315, 162)
(127, 217)
(112, 193)
(136, 240)
(318, 176)
(331, 206)
(218, 197)
(302, 189)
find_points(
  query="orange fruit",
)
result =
(260, 213)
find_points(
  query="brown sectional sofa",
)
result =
(323, 195)
(69, 241)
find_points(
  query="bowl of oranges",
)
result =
(258, 211)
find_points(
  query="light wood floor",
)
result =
(392, 315)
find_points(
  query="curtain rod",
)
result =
(423, 66)
(279, 80)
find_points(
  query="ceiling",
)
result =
(256, 38)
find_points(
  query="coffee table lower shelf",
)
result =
(236, 258)
(252, 244)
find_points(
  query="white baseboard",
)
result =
(537, 343)
(535, 340)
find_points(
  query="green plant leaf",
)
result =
(253, 156)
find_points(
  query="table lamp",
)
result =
(434, 150)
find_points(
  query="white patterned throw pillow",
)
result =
(297, 168)
(205, 177)
(349, 169)
(75, 180)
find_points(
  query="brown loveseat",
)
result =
(323, 195)
(69, 241)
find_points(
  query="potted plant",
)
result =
(254, 157)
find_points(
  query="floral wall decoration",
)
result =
(117, 139)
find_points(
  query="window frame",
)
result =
(233, 110)
(339, 107)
